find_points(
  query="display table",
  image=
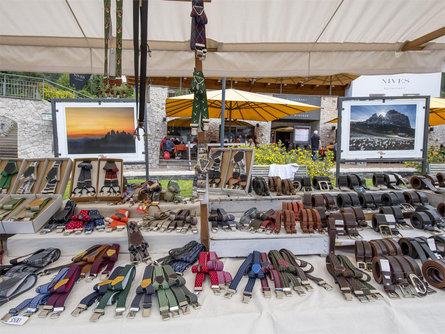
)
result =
(319, 311)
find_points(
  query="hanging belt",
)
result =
(52, 178)
(29, 177)
(32, 304)
(137, 246)
(9, 206)
(99, 290)
(6, 175)
(117, 293)
(145, 290)
(166, 298)
(60, 292)
(107, 261)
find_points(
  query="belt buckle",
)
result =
(406, 291)
(361, 265)
(418, 285)
(56, 312)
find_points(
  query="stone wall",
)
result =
(35, 135)
(157, 124)
(262, 129)
(436, 136)
(328, 112)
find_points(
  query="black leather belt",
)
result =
(423, 182)
(389, 199)
(385, 224)
(377, 197)
(441, 208)
(307, 201)
(390, 181)
(411, 197)
(260, 186)
(417, 248)
(378, 180)
(421, 221)
(330, 202)
(441, 179)
(342, 182)
(322, 183)
(358, 214)
(344, 200)
(366, 201)
(353, 181)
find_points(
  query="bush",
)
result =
(435, 156)
(277, 154)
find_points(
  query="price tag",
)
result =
(390, 218)
(432, 244)
(16, 320)
(384, 265)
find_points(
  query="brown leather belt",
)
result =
(350, 224)
(423, 182)
(358, 215)
(434, 273)
(330, 202)
(323, 216)
(318, 201)
(289, 221)
(385, 224)
(441, 179)
(317, 220)
(363, 254)
(441, 208)
(337, 224)
(307, 201)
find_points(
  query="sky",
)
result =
(362, 113)
(92, 122)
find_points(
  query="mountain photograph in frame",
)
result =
(382, 127)
(100, 130)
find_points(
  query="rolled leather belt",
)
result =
(330, 202)
(366, 201)
(272, 184)
(363, 254)
(423, 197)
(342, 182)
(441, 208)
(441, 179)
(325, 181)
(411, 197)
(362, 180)
(344, 200)
(389, 199)
(382, 276)
(397, 212)
(306, 183)
(377, 197)
(435, 217)
(307, 201)
(390, 181)
(337, 224)
(317, 220)
(350, 224)
(318, 201)
(421, 221)
(323, 217)
(399, 195)
(433, 179)
(434, 273)
(422, 182)
(353, 181)
(358, 214)
(378, 180)
(379, 219)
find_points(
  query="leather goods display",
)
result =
(322, 183)
(209, 264)
(307, 200)
(117, 221)
(398, 272)
(354, 182)
(378, 180)
(247, 217)
(117, 293)
(386, 225)
(99, 291)
(219, 218)
(424, 182)
(28, 178)
(32, 304)
(32, 209)
(287, 187)
(275, 185)
(350, 224)
(398, 215)
(260, 186)
(239, 173)
(7, 207)
(318, 201)
(111, 185)
(137, 246)
(182, 258)
(330, 202)
(358, 214)
(6, 175)
(52, 177)
(377, 198)
(84, 185)
(59, 221)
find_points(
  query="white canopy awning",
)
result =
(249, 38)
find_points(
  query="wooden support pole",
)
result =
(417, 44)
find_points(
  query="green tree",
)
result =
(64, 80)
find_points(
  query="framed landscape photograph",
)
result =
(382, 128)
(91, 129)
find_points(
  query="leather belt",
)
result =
(344, 200)
(359, 216)
(412, 197)
(288, 218)
(434, 273)
(330, 202)
(377, 199)
(437, 220)
(363, 254)
(353, 181)
(52, 178)
(423, 182)
(182, 258)
(366, 201)
(318, 201)
(389, 199)
(99, 291)
(323, 217)
(390, 181)
(32, 304)
(421, 221)
(260, 186)
(29, 177)
(209, 263)
(137, 246)
(441, 179)
(342, 182)
(350, 224)
(117, 293)
(397, 213)
(60, 292)
(287, 187)
(385, 224)
(378, 180)
(336, 226)
(253, 268)
(307, 200)
(322, 183)
(418, 248)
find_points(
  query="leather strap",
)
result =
(344, 200)
(441, 179)
(390, 199)
(318, 201)
(330, 202)
(366, 201)
(411, 197)
(434, 273)
(423, 182)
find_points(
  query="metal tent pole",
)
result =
(223, 111)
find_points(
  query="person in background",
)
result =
(170, 147)
(238, 140)
(163, 144)
(315, 144)
(182, 141)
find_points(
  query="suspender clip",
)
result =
(56, 312)
(165, 316)
(267, 294)
(174, 311)
(229, 293)
(146, 312)
(78, 310)
(287, 292)
(299, 290)
(119, 312)
(325, 285)
(279, 293)
(196, 305)
(47, 309)
(247, 296)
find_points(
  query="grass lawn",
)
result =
(185, 185)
